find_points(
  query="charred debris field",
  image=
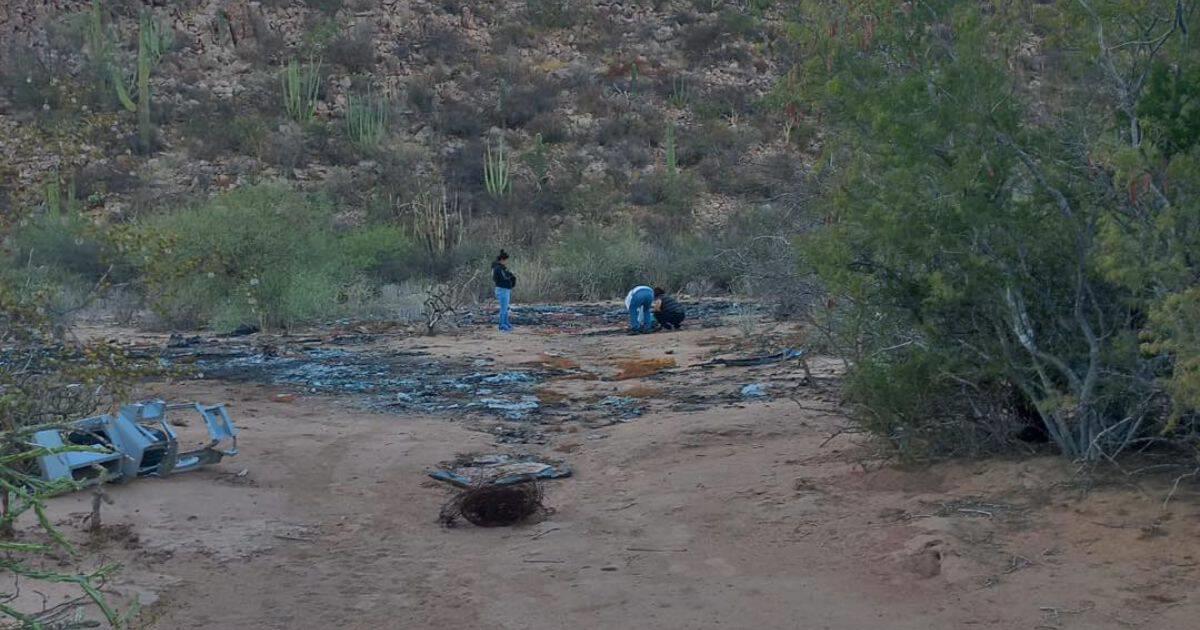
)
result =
(364, 367)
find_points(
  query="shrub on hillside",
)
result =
(328, 7)
(445, 44)
(644, 127)
(456, 118)
(553, 13)
(285, 148)
(421, 94)
(354, 50)
(671, 194)
(520, 104)
(222, 131)
(551, 126)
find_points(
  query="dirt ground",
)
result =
(709, 510)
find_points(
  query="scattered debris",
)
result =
(177, 340)
(243, 330)
(513, 410)
(625, 408)
(491, 505)
(779, 357)
(754, 390)
(389, 382)
(136, 442)
(500, 469)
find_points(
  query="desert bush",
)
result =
(458, 118)
(642, 127)
(705, 40)
(263, 255)
(328, 7)
(354, 50)
(222, 131)
(595, 202)
(32, 83)
(420, 94)
(522, 103)
(61, 240)
(444, 44)
(462, 168)
(551, 126)
(710, 139)
(285, 148)
(553, 13)
(672, 194)
(266, 46)
(592, 263)
(513, 34)
(97, 180)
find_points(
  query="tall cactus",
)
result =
(301, 87)
(153, 42)
(366, 119)
(496, 171)
(672, 157)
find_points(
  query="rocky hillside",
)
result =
(588, 107)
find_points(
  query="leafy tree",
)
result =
(978, 232)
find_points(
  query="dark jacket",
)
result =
(503, 278)
(671, 309)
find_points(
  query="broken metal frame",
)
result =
(135, 442)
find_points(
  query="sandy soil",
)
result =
(728, 514)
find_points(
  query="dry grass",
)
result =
(551, 362)
(640, 368)
(642, 391)
(549, 396)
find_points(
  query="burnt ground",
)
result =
(702, 496)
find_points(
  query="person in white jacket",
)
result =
(639, 302)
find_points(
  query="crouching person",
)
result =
(668, 311)
(640, 302)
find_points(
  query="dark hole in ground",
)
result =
(494, 506)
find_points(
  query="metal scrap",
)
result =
(137, 441)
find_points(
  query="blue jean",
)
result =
(640, 305)
(504, 296)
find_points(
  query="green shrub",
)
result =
(385, 253)
(553, 13)
(264, 255)
(592, 262)
(62, 240)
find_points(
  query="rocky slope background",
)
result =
(630, 118)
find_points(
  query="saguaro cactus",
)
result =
(153, 42)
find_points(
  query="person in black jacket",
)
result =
(668, 311)
(504, 280)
